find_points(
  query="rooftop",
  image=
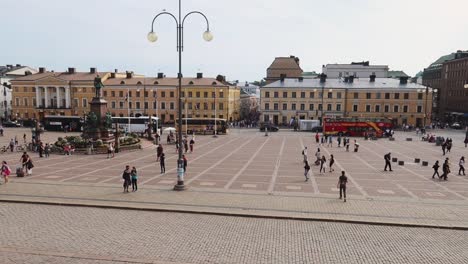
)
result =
(380, 83)
(285, 63)
(169, 81)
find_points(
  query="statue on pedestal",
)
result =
(98, 86)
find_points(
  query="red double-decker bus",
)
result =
(356, 127)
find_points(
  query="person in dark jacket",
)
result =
(388, 158)
(162, 162)
(436, 167)
(126, 177)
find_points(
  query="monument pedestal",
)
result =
(98, 106)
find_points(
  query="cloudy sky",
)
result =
(111, 34)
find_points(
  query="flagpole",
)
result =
(128, 108)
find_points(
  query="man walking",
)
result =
(306, 170)
(162, 163)
(388, 158)
(445, 169)
(342, 181)
(436, 169)
(461, 163)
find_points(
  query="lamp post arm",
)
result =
(176, 21)
(182, 26)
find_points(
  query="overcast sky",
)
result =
(248, 34)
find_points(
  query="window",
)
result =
(311, 107)
(275, 94)
(267, 94)
(163, 105)
(405, 108)
(378, 95)
(285, 106)
(311, 94)
(420, 96)
(285, 94)
(105, 93)
(267, 106)
(406, 96)
(368, 95)
(356, 95)
(320, 107)
(155, 105)
(137, 94)
(338, 107)
(419, 109)
(146, 105)
(75, 102)
(121, 94)
(302, 94)
(189, 105)
(338, 95)
(189, 94)
(182, 94)
(330, 95)
(138, 105)
(171, 94)
(387, 95)
(205, 94)
(275, 106)
(163, 94)
(329, 107)
(293, 106)
(171, 105)
(113, 104)
(130, 94)
(355, 108)
(302, 107)
(197, 94)
(171, 117)
(33, 101)
(25, 101)
(205, 106)
(221, 94)
(397, 96)
(113, 93)
(213, 94)
(386, 108)
(130, 105)
(293, 94)
(85, 102)
(368, 108)
(17, 101)
(395, 108)
(377, 108)
(146, 94)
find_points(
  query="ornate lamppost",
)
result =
(152, 37)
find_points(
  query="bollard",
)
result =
(417, 160)
(409, 139)
(401, 163)
(392, 139)
(394, 159)
(425, 163)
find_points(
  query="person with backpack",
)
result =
(126, 177)
(5, 171)
(387, 158)
(436, 167)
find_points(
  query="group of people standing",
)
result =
(130, 177)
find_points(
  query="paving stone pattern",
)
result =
(59, 234)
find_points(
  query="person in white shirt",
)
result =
(461, 163)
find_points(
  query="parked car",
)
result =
(270, 128)
(11, 124)
(317, 129)
(456, 126)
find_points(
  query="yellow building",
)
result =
(398, 100)
(69, 93)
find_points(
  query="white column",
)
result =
(46, 96)
(38, 97)
(59, 102)
(67, 97)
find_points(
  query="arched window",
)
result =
(156, 82)
(122, 82)
(190, 83)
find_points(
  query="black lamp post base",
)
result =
(180, 186)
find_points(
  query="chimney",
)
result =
(323, 77)
(92, 70)
(300, 79)
(351, 79)
(372, 78)
(18, 65)
(199, 75)
(403, 80)
(129, 74)
(160, 75)
(9, 66)
(116, 71)
(282, 77)
(112, 75)
(42, 69)
(71, 70)
(27, 73)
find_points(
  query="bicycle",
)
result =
(23, 147)
(4, 149)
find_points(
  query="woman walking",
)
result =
(126, 177)
(306, 170)
(5, 171)
(162, 163)
(332, 161)
(445, 169)
(192, 142)
(323, 164)
(134, 179)
(461, 163)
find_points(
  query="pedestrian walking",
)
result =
(466, 141)
(192, 142)
(177, 144)
(306, 170)
(339, 140)
(445, 169)
(185, 144)
(24, 138)
(347, 144)
(159, 152)
(444, 146)
(126, 177)
(318, 155)
(461, 164)
(25, 161)
(332, 161)
(323, 164)
(162, 163)
(12, 145)
(185, 163)
(134, 176)
(342, 181)
(5, 171)
(47, 150)
(304, 154)
(436, 167)
(330, 141)
(356, 146)
(449, 145)
(16, 140)
(387, 158)
(317, 138)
